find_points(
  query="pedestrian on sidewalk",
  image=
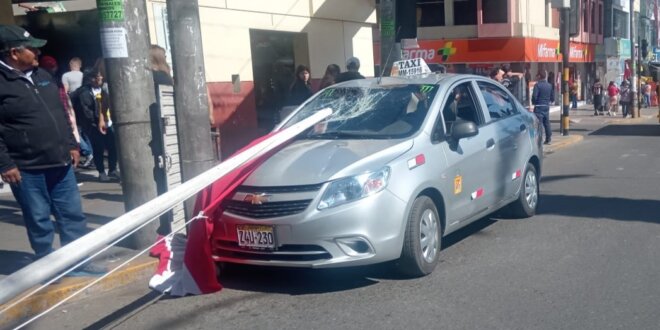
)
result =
(597, 92)
(625, 99)
(353, 67)
(573, 92)
(330, 76)
(37, 148)
(542, 96)
(613, 98)
(93, 102)
(646, 90)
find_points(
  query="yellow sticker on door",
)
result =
(458, 184)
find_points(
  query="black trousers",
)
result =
(101, 143)
(544, 117)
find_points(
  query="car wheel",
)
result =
(528, 198)
(422, 242)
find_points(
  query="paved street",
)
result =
(588, 260)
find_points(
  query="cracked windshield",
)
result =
(369, 113)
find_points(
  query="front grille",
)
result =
(287, 252)
(280, 189)
(266, 210)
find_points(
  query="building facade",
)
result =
(474, 36)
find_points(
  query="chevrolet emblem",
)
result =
(257, 199)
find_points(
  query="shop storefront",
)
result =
(527, 55)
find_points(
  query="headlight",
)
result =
(350, 189)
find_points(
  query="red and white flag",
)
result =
(186, 266)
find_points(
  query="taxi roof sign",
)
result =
(411, 67)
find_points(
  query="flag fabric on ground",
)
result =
(185, 265)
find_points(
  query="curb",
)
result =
(629, 120)
(563, 143)
(54, 293)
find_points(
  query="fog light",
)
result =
(355, 246)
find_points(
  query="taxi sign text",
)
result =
(409, 67)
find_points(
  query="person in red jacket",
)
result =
(613, 95)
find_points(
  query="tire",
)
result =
(528, 197)
(423, 239)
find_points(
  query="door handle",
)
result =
(490, 144)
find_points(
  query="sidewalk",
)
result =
(102, 202)
(583, 117)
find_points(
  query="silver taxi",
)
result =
(398, 165)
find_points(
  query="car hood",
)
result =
(307, 162)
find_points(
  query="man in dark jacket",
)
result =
(37, 148)
(91, 104)
(353, 67)
(542, 97)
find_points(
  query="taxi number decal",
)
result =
(458, 184)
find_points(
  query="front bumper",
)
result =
(363, 232)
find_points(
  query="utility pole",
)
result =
(565, 53)
(125, 43)
(6, 12)
(389, 52)
(634, 110)
(190, 93)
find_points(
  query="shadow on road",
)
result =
(629, 130)
(552, 178)
(622, 209)
(13, 261)
(126, 312)
(105, 196)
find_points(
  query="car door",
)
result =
(467, 158)
(510, 139)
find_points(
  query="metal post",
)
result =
(389, 52)
(190, 93)
(125, 43)
(633, 62)
(564, 46)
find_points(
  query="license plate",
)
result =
(251, 236)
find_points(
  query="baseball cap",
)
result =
(15, 36)
(48, 62)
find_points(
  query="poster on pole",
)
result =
(110, 10)
(113, 42)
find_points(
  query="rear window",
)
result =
(363, 113)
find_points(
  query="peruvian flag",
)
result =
(186, 265)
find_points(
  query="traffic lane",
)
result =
(565, 268)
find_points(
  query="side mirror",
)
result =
(463, 129)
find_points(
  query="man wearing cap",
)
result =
(353, 67)
(37, 146)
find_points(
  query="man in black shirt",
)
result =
(353, 67)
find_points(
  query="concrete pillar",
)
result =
(449, 13)
(6, 12)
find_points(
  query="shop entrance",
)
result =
(275, 56)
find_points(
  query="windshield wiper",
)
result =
(340, 135)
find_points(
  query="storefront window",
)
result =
(430, 12)
(465, 12)
(495, 11)
(602, 17)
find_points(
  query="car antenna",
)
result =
(382, 70)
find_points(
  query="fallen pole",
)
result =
(67, 256)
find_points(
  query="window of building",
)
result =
(495, 11)
(465, 12)
(585, 18)
(620, 24)
(430, 12)
(600, 20)
(555, 18)
(593, 17)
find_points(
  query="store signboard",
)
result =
(495, 50)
